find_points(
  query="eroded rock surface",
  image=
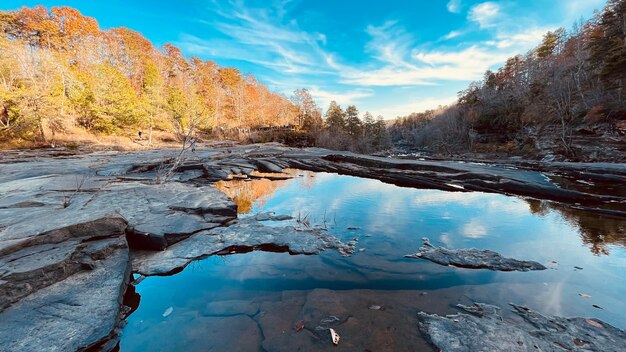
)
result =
(473, 258)
(482, 328)
(73, 314)
(67, 218)
(242, 235)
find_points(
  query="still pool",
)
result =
(254, 301)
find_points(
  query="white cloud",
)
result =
(426, 67)
(454, 6)
(393, 56)
(418, 105)
(451, 35)
(323, 97)
(527, 39)
(402, 64)
(389, 43)
(258, 36)
(485, 14)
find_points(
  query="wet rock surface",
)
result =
(243, 235)
(482, 328)
(473, 258)
(69, 223)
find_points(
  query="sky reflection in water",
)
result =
(391, 222)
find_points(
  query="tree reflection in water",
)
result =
(597, 231)
(246, 192)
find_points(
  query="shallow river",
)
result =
(252, 301)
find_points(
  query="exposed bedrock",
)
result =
(242, 235)
(68, 225)
(473, 258)
(160, 215)
(482, 328)
(70, 295)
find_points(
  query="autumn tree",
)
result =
(309, 115)
(60, 71)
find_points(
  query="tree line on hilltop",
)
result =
(572, 79)
(60, 72)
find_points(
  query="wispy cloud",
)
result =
(324, 97)
(452, 35)
(260, 38)
(417, 105)
(389, 43)
(527, 39)
(485, 14)
(454, 6)
(392, 55)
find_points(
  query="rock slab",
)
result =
(482, 328)
(473, 258)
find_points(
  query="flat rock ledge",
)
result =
(473, 258)
(482, 328)
(243, 235)
(73, 227)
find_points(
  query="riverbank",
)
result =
(75, 226)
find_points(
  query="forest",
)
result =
(64, 79)
(61, 74)
(570, 88)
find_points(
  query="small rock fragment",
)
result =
(335, 336)
(584, 295)
(594, 323)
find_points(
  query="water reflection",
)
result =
(247, 192)
(261, 295)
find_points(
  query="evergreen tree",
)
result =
(352, 121)
(382, 139)
(549, 43)
(608, 45)
(368, 124)
(335, 120)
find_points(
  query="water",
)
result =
(250, 302)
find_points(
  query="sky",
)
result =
(389, 57)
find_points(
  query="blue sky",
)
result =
(390, 57)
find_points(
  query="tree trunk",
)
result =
(150, 131)
(42, 131)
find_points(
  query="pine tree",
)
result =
(335, 120)
(608, 44)
(382, 140)
(353, 123)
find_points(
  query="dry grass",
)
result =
(78, 138)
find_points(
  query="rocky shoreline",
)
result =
(74, 227)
